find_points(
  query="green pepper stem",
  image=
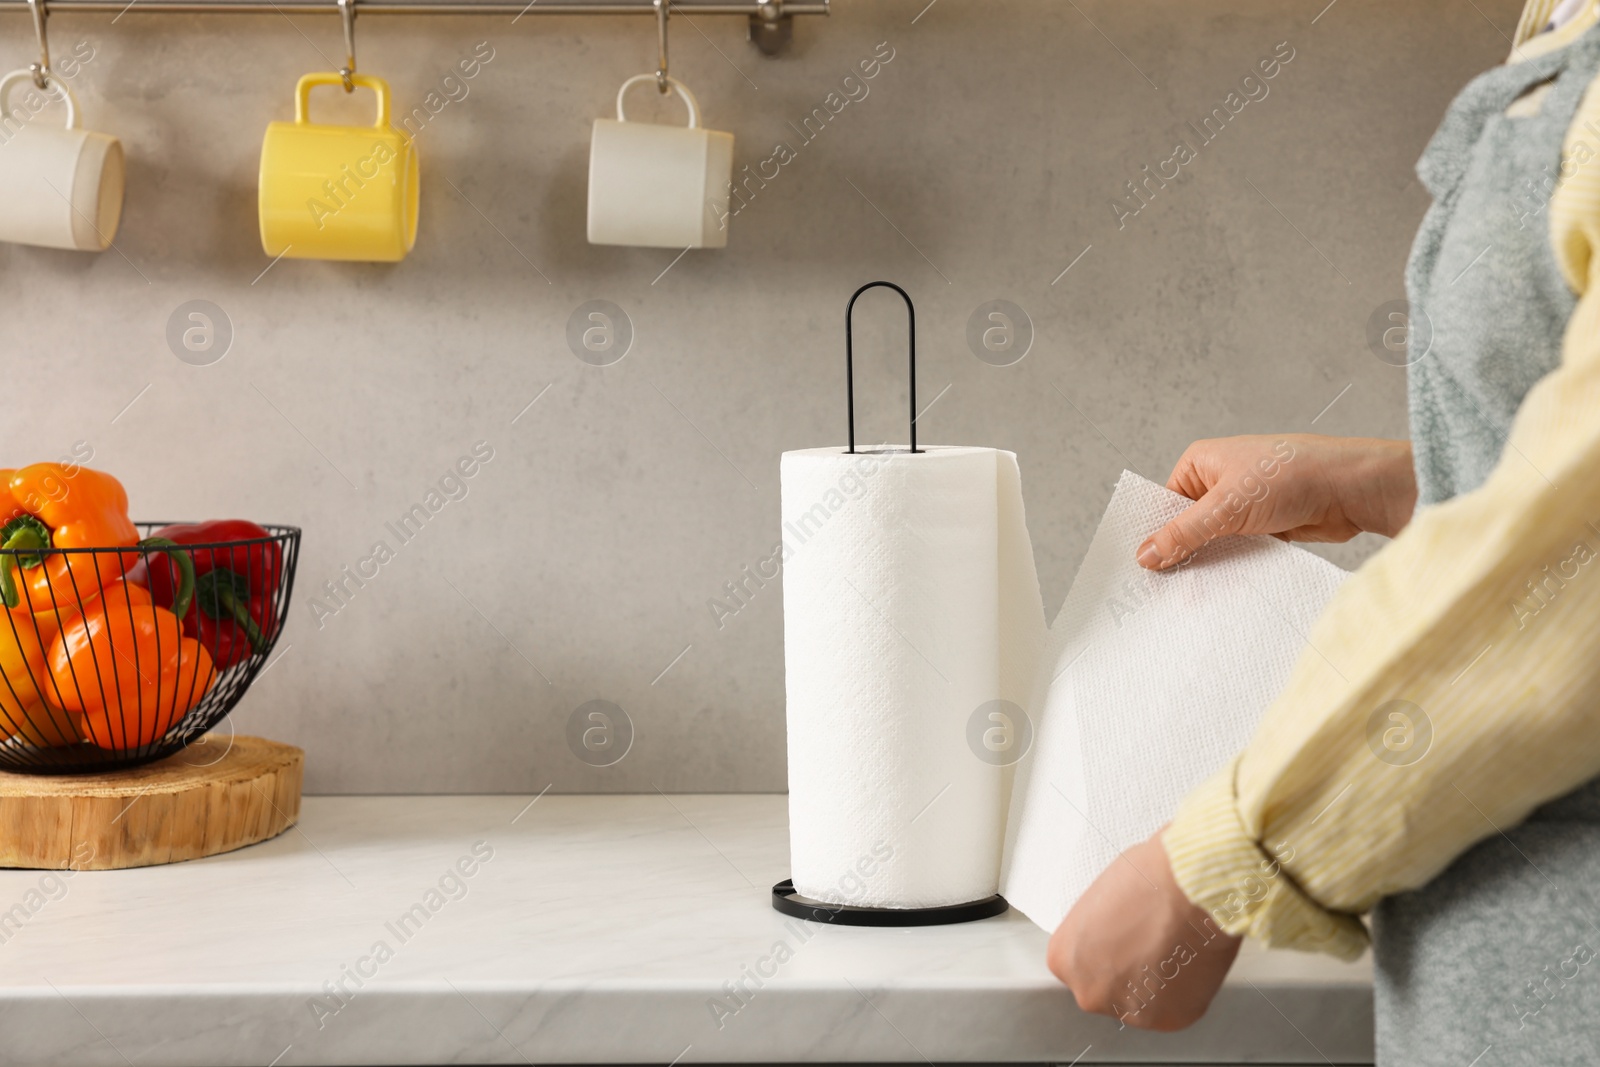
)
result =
(239, 611)
(25, 538)
(178, 555)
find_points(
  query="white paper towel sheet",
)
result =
(911, 604)
(1158, 679)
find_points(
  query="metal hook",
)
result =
(347, 11)
(849, 358)
(661, 42)
(41, 70)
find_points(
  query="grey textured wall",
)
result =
(983, 161)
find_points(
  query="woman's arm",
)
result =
(1451, 686)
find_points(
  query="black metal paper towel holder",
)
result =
(850, 365)
(785, 898)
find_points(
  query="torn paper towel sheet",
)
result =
(1155, 680)
(917, 658)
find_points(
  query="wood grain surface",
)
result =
(214, 796)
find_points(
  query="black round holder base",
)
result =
(789, 902)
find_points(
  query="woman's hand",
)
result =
(1133, 947)
(1300, 487)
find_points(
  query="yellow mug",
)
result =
(338, 192)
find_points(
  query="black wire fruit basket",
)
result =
(115, 657)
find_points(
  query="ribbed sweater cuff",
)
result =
(1245, 887)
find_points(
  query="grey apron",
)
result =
(1494, 961)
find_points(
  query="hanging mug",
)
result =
(60, 187)
(658, 186)
(338, 192)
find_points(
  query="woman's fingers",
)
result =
(1300, 487)
(1245, 485)
(1207, 519)
(1134, 947)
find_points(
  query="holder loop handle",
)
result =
(850, 366)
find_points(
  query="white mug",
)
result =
(657, 186)
(60, 187)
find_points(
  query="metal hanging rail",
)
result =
(769, 12)
(771, 22)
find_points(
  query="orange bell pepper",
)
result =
(23, 680)
(46, 506)
(124, 664)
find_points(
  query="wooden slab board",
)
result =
(212, 797)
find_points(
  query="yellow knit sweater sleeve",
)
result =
(1452, 685)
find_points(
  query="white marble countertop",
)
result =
(592, 929)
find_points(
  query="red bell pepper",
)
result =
(232, 613)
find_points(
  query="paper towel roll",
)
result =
(910, 601)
